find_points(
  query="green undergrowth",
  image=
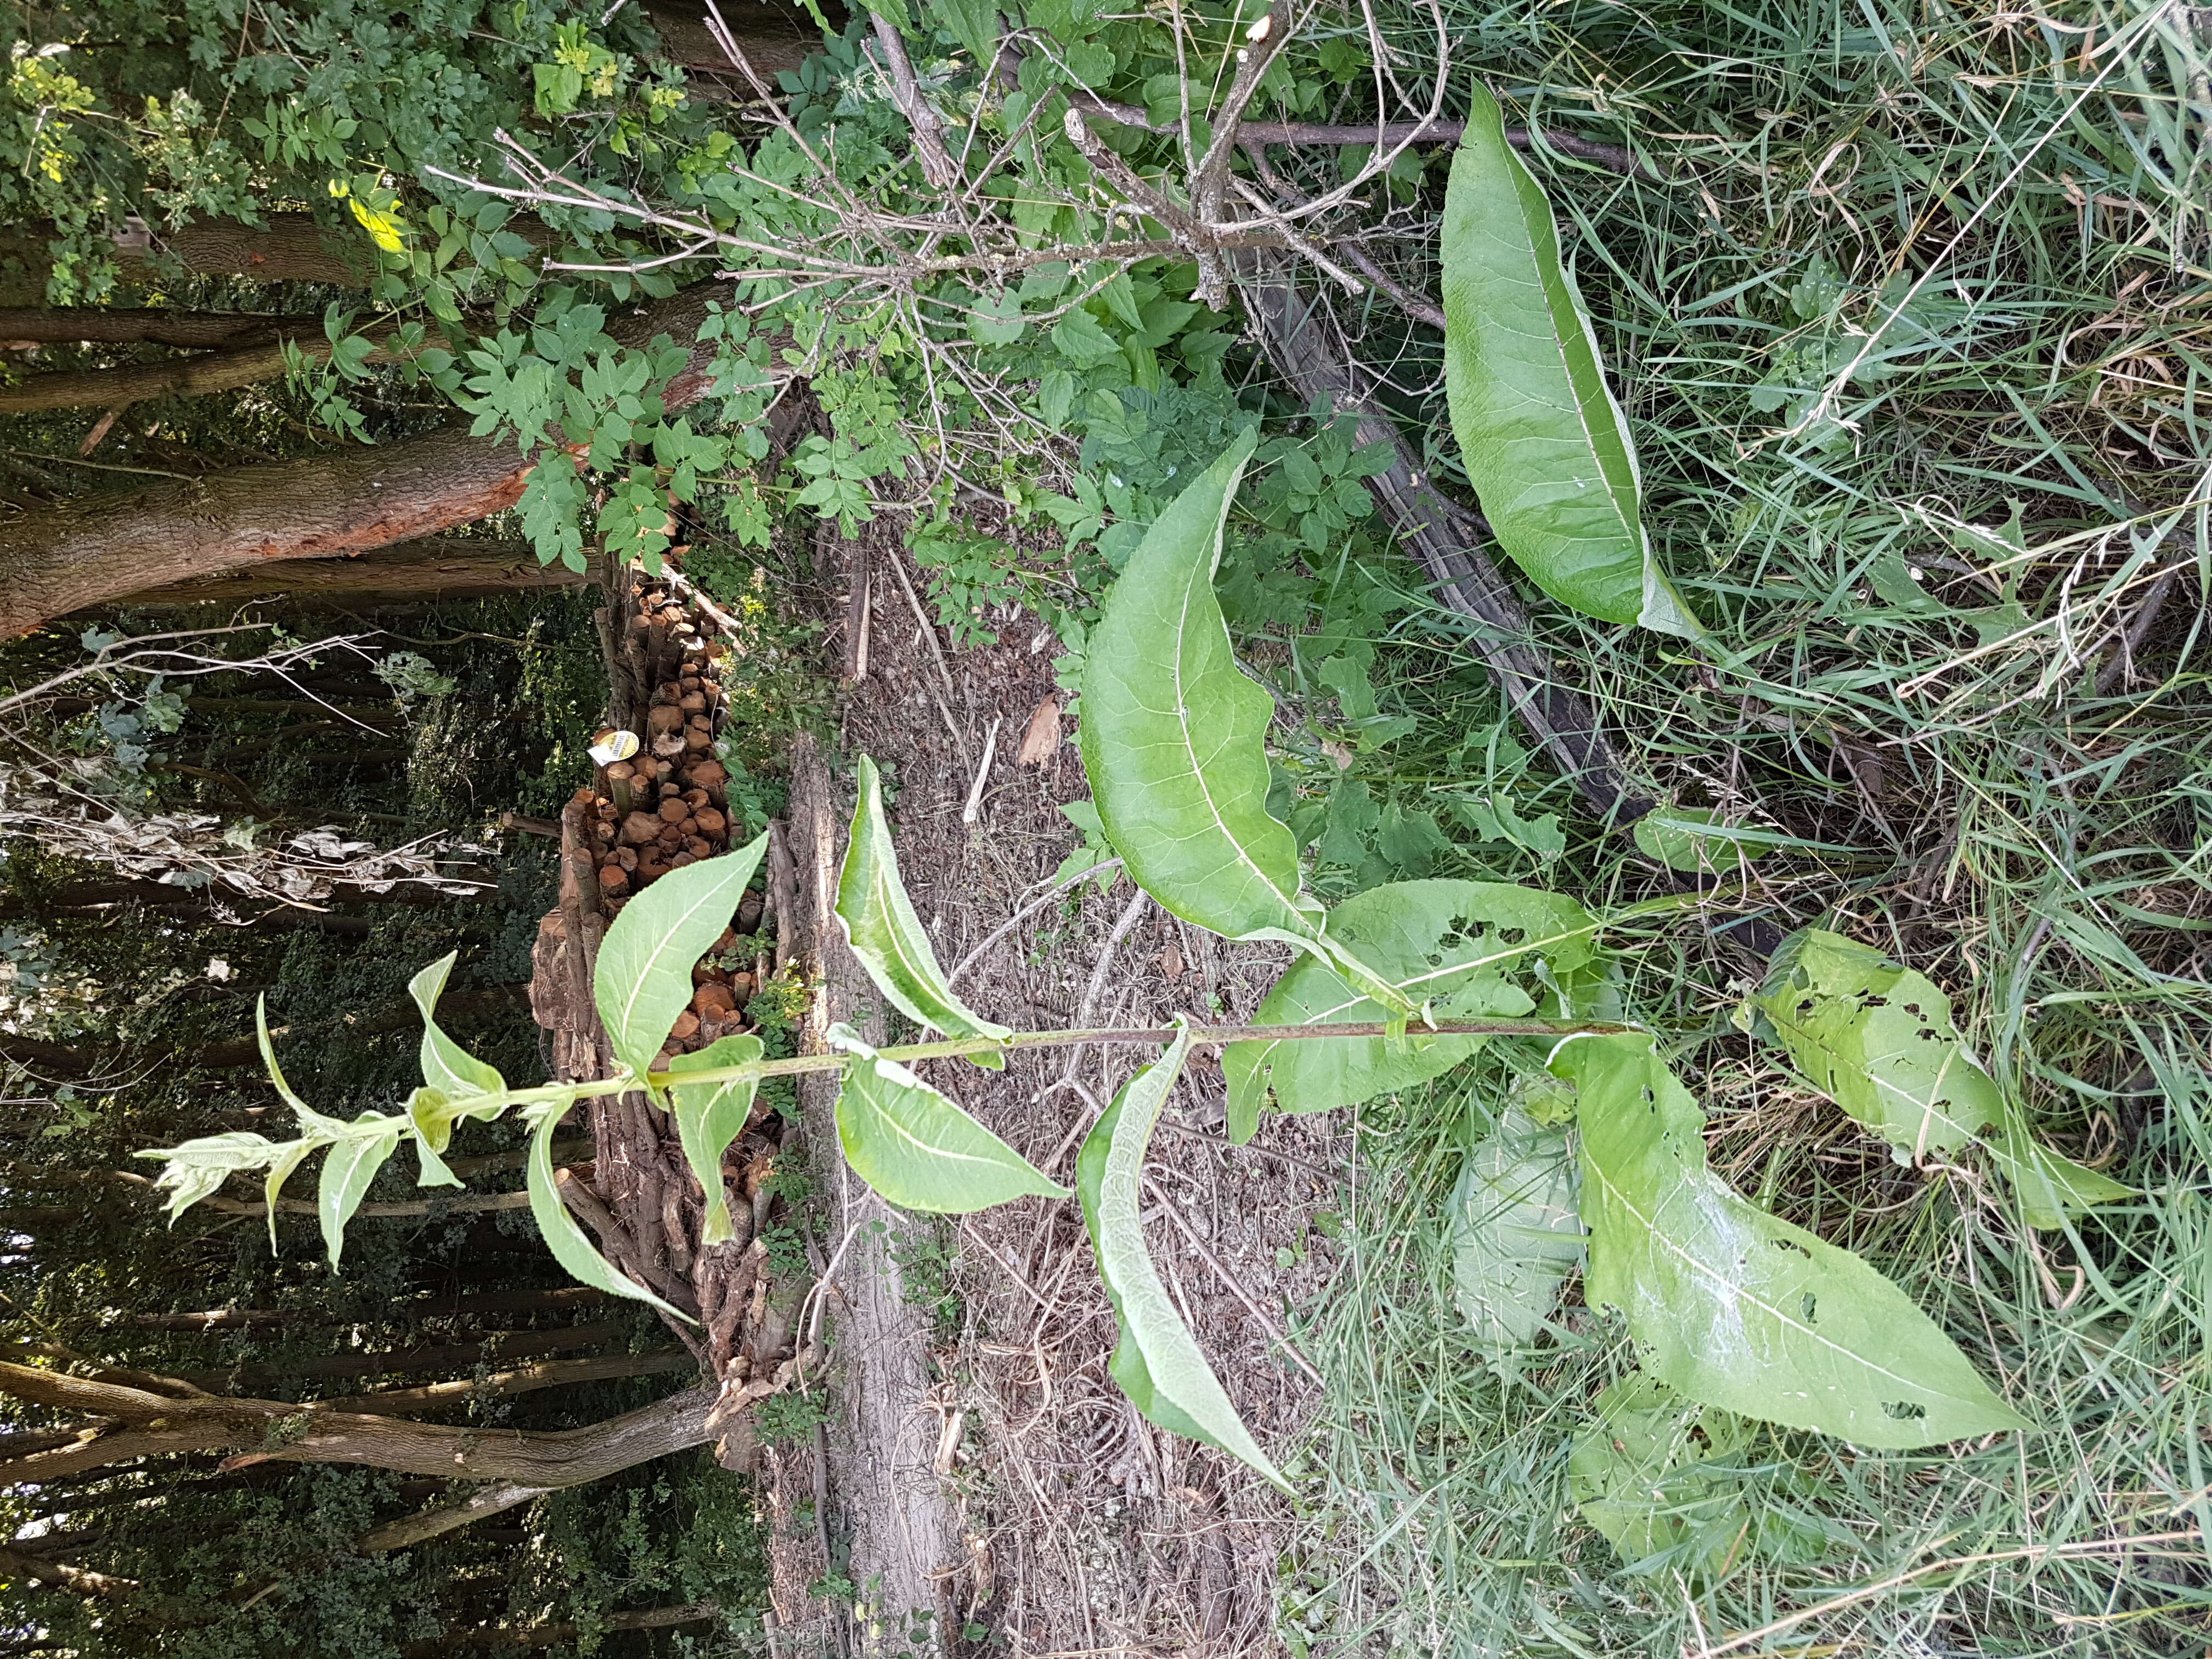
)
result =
(1913, 348)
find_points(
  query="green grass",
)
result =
(1915, 583)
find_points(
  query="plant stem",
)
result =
(955, 1047)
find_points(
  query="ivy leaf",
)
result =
(1731, 1305)
(348, 1168)
(1639, 1473)
(710, 1116)
(1173, 732)
(1515, 1230)
(1544, 445)
(1156, 1363)
(886, 935)
(915, 1146)
(644, 979)
(1877, 1039)
(1448, 942)
(564, 1236)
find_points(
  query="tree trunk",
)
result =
(424, 1357)
(198, 331)
(161, 1423)
(94, 549)
(292, 248)
(234, 1319)
(505, 1385)
(498, 1639)
(451, 568)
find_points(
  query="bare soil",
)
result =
(1082, 1530)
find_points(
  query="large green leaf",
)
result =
(1643, 1473)
(1157, 1363)
(883, 929)
(1174, 734)
(710, 1116)
(1455, 944)
(644, 979)
(1732, 1306)
(564, 1235)
(1877, 1039)
(1515, 1230)
(914, 1144)
(1543, 444)
(348, 1169)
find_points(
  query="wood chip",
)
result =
(1042, 738)
(1171, 962)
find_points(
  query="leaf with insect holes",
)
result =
(1650, 1472)
(564, 1236)
(644, 979)
(1515, 1230)
(348, 1169)
(1877, 1039)
(710, 1116)
(880, 925)
(1452, 944)
(915, 1147)
(1174, 732)
(456, 1083)
(1543, 444)
(1732, 1306)
(1157, 1363)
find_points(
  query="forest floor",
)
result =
(1079, 1527)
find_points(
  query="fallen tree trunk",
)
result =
(1438, 535)
(96, 549)
(150, 1423)
(437, 567)
(195, 331)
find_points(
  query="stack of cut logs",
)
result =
(664, 807)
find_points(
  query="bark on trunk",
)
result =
(440, 567)
(292, 248)
(193, 331)
(905, 1533)
(505, 1385)
(156, 1423)
(95, 549)
(180, 377)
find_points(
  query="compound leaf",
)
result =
(1734, 1307)
(1877, 1039)
(881, 925)
(1544, 445)
(710, 1116)
(1157, 1363)
(914, 1144)
(1451, 944)
(564, 1235)
(644, 979)
(1516, 1232)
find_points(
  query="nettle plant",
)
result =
(1598, 1163)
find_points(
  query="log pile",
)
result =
(661, 809)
